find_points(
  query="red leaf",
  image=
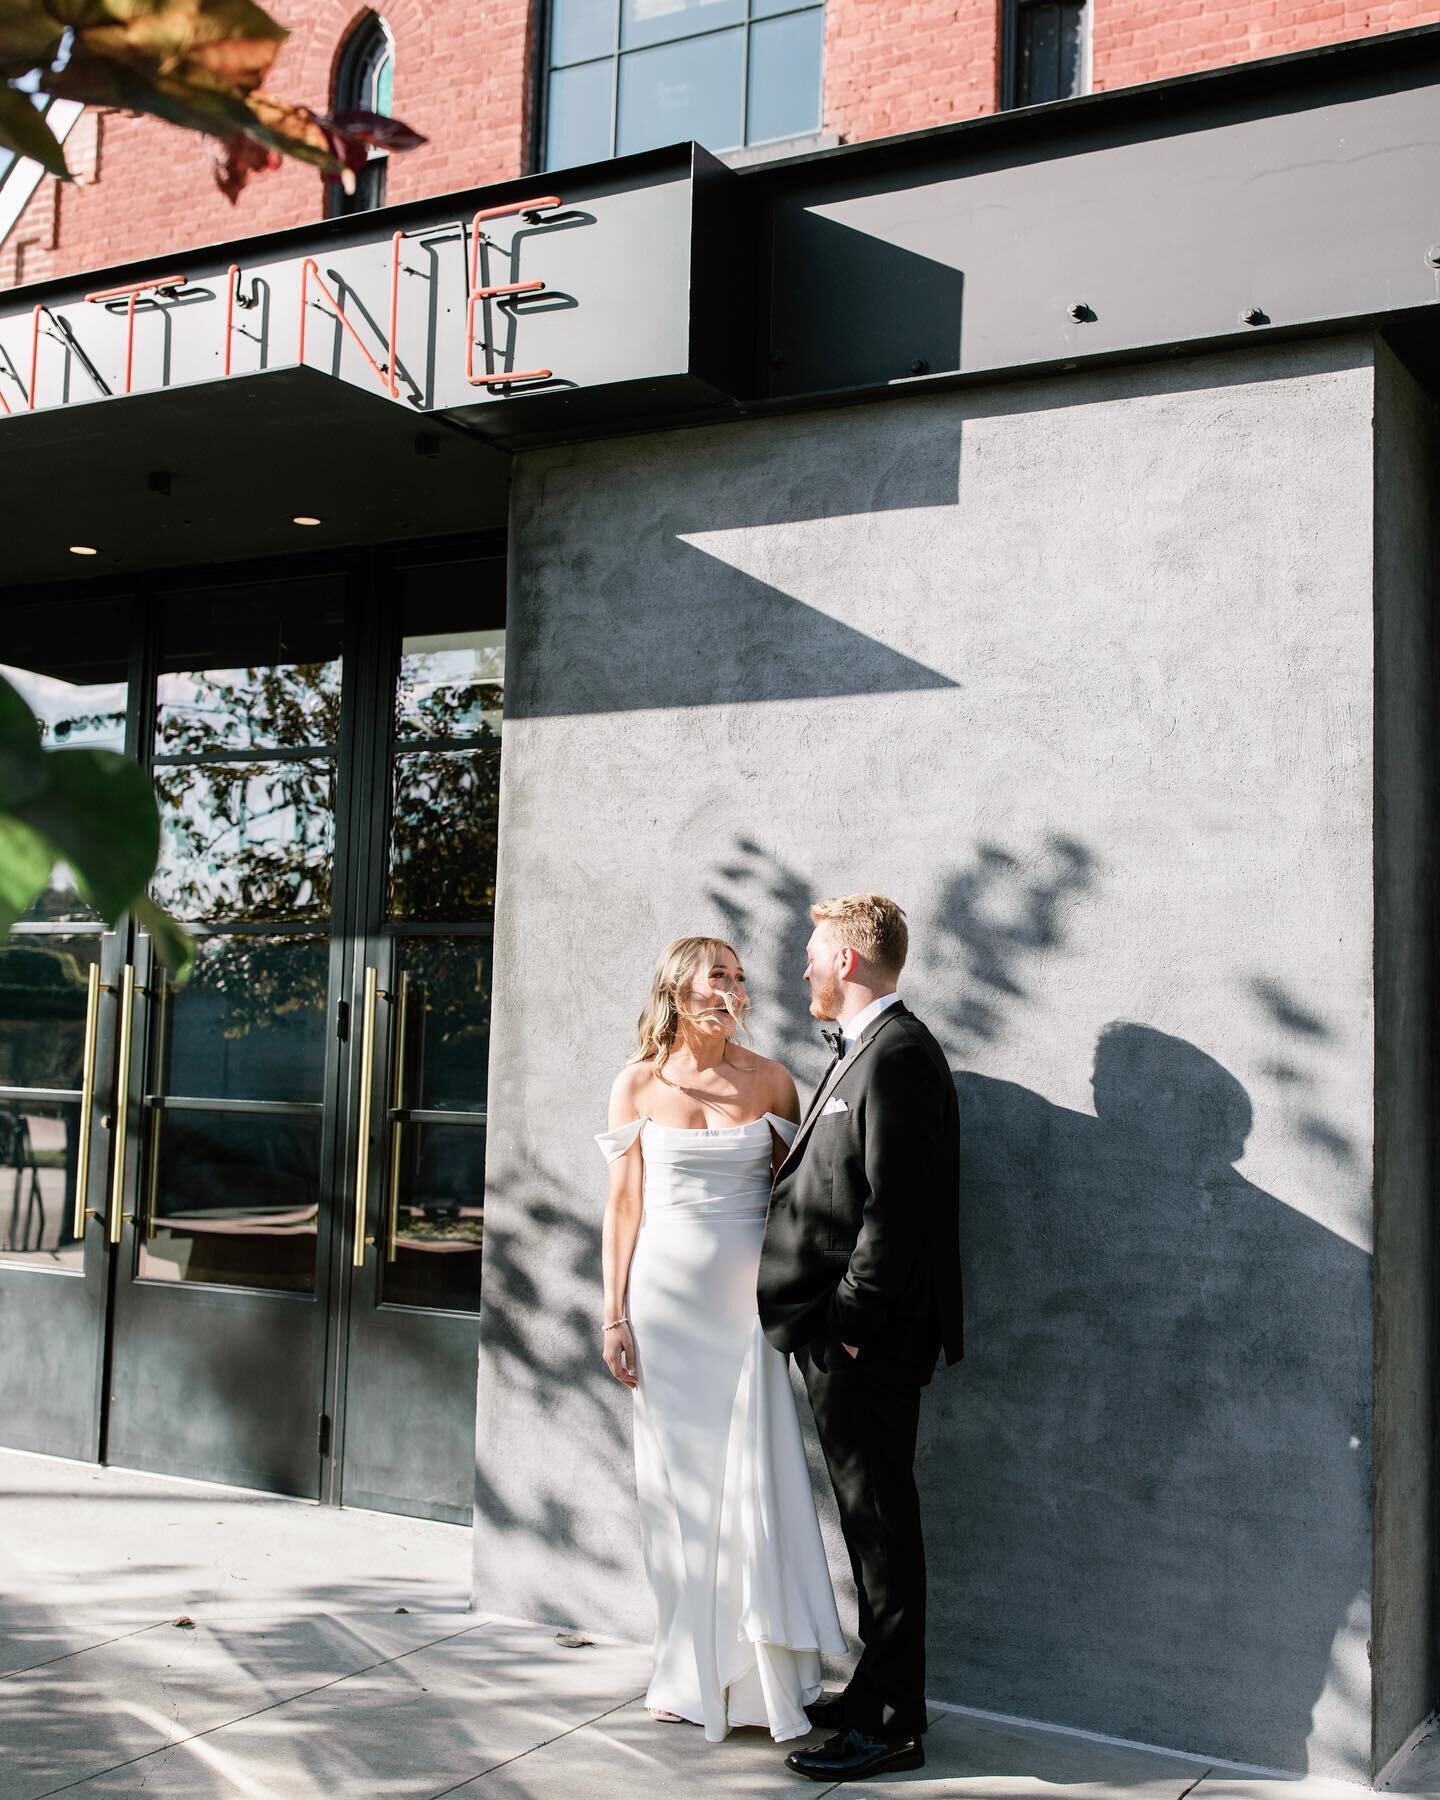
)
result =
(236, 159)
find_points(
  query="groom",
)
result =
(860, 1279)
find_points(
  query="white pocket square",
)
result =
(833, 1105)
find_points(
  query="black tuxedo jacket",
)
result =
(862, 1241)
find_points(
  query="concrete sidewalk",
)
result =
(331, 1654)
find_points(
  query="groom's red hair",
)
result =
(870, 925)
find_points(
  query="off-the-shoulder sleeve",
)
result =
(613, 1144)
(784, 1129)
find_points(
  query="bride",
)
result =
(743, 1601)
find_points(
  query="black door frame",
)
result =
(354, 928)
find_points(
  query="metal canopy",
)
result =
(217, 471)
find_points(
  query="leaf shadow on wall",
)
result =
(1145, 1486)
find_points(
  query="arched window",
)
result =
(365, 76)
(624, 75)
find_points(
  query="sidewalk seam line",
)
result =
(520, 1755)
(84, 1650)
(240, 1718)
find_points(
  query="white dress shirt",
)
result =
(857, 1025)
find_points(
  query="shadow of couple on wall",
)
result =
(1145, 1487)
(1159, 1429)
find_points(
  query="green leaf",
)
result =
(174, 946)
(25, 864)
(22, 760)
(23, 130)
(28, 35)
(97, 808)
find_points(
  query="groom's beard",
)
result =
(825, 999)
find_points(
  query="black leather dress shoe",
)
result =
(852, 1755)
(827, 1713)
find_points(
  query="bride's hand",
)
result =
(619, 1354)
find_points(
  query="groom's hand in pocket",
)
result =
(619, 1354)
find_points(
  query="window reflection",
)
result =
(439, 1218)
(451, 685)
(624, 75)
(653, 21)
(782, 96)
(443, 1003)
(290, 705)
(42, 1010)
(232, 1198)
(70, 661)
(251, 668)
(443, 835)
(39, 1142)
(249, 1023)
(246, 841)
(687, 89)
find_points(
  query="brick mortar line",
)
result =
(240, 1718)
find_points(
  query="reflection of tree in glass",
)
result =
(105, 727)
(453, 690)
(60, 706)
(246, 841)
(42, 1016)
(260, 984)
(283, 705)
(444, 833)
(448, 1021)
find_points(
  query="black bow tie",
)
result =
(835, 1039)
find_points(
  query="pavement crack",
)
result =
(99, 1644)
(505, 1761)
(240, 1718)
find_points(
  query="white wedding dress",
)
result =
(743, 1601)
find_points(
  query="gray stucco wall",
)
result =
(1081, 672)
(1407, 532)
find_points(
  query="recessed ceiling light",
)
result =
(83, 550)
(305, 519)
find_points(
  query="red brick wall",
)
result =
(1136, 40)
(899, 65)
(463, 75)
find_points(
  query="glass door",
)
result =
(59, 983)
(422, 1006)
(242, 1221)
(228, 1139)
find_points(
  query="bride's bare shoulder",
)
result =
(775, 1082)
(627, 1090)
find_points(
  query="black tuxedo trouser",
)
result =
(867, 1421)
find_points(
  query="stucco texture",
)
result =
(1081, 672)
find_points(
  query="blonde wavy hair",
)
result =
(659, 1021)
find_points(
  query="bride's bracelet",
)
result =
(610, 1324)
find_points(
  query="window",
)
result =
(626, 75)
(365, 77)
(1044, 51)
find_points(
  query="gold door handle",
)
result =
(87, 1101)
(373, 992)
(122, 1101)
(397, 1127)
(151, 1151)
